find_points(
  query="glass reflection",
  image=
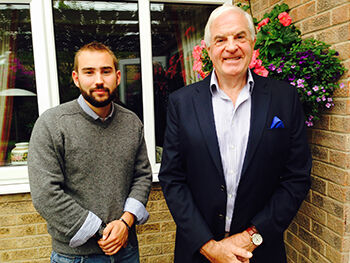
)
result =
(18, 101)
(114, 23)
(176, 29)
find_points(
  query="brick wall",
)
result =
(24, 238)
(321, 230)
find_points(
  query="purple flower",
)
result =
(309, 123)
(323, 90)
(279, 70)
(323, 98)
(291, 77)
(336, 53)
(310, 117)
(292, 83)
(329, 99)
(309, 93)
(341, 85)
(272, 67)
(315, 88)
(318, 99)
(301, 62)
(328, 105)
(292, 66)
(307, 76)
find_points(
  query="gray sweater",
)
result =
(77, 164)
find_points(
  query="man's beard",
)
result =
(99, 104)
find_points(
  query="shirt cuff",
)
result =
(87, 230)
(136, 208)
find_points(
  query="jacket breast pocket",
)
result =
(277, 141)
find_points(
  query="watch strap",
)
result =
(252, 230)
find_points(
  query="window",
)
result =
(114, 23)
(154, 49)
(176, 29)
(18, 102)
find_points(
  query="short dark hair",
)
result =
(95, 46)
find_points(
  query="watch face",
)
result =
(257, 239)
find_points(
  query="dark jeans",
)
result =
(130, 254)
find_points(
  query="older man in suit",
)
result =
(236, 163)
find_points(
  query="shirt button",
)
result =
(222, 187)
(231, 172)
(221, 216)
(232, 147)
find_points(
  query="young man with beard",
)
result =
(88, 167)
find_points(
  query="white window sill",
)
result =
(14, 180)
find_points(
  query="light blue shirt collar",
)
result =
(86, 108)
(215, 85)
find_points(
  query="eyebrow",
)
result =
(92, 68)
(235, 34)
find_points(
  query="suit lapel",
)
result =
(204, 109)
(259, 110)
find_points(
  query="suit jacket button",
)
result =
(222, 187)
(221, 216)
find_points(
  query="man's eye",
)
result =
(241, 38)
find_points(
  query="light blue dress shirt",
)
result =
(93, 222)
(232, 123)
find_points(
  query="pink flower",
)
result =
(309, 93)
(197, 65)
(285, 19)
(261, 71)
(328, 105)
(203, 45)
(197, 52)
(254, 60)
(263, 22)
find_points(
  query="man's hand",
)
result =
(225, 252)
(242, 240)
(115, 235)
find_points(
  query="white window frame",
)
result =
(14, 179)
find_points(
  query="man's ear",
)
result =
(118, 75)
(75, 78)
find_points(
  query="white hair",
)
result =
(220, 10)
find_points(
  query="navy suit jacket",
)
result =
(275, 176)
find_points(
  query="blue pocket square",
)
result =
(276, 123)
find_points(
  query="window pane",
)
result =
(114, 23)
(18, 101)
(176, 29)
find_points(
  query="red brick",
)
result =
(334, 34)
(323, 5)
(341, 14)
(303, 11)
(316, 23)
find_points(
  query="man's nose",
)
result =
(99, 78)
(231, 44)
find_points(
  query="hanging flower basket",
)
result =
(311, 66)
